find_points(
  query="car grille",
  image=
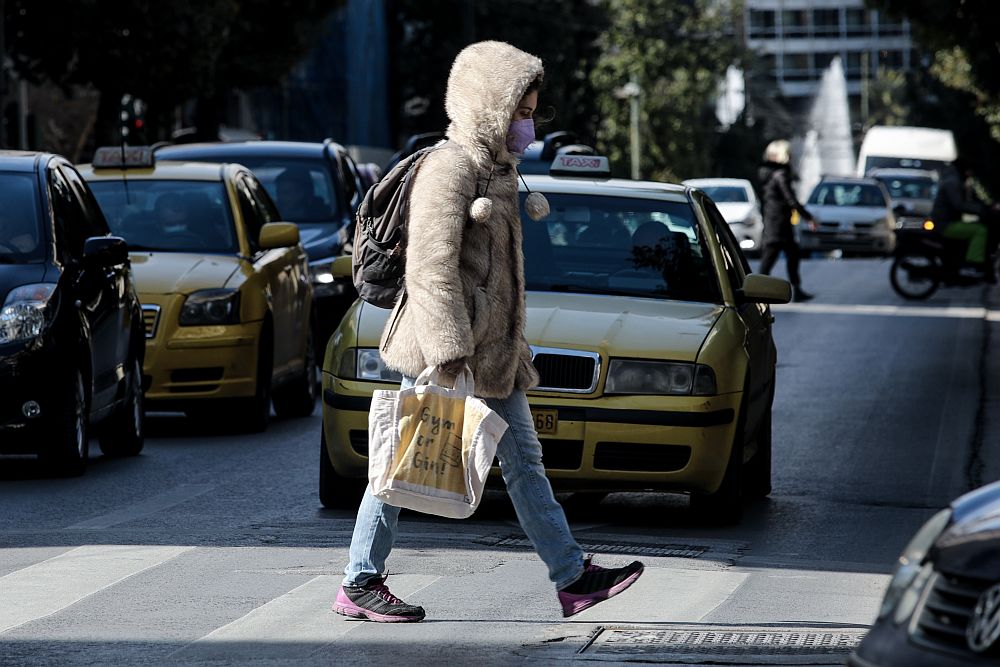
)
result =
(567, 370)
(641, 457)
(150, 318)
(945, 611)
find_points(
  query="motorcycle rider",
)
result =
(950, 203)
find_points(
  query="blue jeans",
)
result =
(541, 517)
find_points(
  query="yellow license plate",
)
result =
(546, 421)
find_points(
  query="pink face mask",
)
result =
(520, 134)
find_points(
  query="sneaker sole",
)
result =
(578, 603)
(358, 612)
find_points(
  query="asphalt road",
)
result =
(211, 548)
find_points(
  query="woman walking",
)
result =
(464, 305)
(778, 201)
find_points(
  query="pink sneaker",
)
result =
(597, 584)
(374, 602)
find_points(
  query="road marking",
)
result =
(157, 503)
(954, 312)
(667, 595)
(296, 624)
(48, 587)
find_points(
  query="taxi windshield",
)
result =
(168, 215)
(302, 189)
(595, 244)
(910, 187)
(21, 237)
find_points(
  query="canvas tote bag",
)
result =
(431, 447)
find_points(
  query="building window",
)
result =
(795, 23)
(889, 26)
(890, 59)
(826, 22)
(762, 23)
(857, 22)
(796, 67)
(852, 67)
(822, 60)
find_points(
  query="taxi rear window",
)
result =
(168, 215)
(595, 244)
(22, 240)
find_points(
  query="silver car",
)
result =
(737, 202)
(912, 194)
(852, 215)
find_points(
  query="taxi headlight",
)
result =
(211, 306)
(26, 312)
(366, 363)
(626, 376)
(911, 573)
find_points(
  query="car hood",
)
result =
(320, 239)
(15, 275)
(970, 545)
(180, 273)
(616, 326)
(848, 213)
(735, 211)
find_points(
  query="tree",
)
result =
(162, 52)
(677, 51)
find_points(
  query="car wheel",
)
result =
(122, 434)
(297, 398)
(725, 505)
(68, 439)
(252, 415)
(335, 491)
(757, 472)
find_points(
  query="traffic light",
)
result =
(133, 120)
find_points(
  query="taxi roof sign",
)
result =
(127, 157)
(593, 166)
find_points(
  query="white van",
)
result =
(905, 147)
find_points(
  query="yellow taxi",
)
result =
(651, 336)
(224, 286)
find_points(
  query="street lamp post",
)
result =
(631, 91)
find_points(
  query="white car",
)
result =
(852, 215)
(737, 202)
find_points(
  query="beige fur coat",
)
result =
(465, 279)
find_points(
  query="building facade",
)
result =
(797, 39)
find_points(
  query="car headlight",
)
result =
(626, 376)
(26, 312)
(365, 363)
(321, 276)
(911, 573)
(211, 306)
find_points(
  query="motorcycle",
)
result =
(924, 261)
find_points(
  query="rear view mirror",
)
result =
(758, 288)
(105, 250)
(278, 235)
(342, 267)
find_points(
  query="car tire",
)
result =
(68, 438)
(123, 433)
(725, 505)
(336, 492)
(757, 471)
(252, 415)
(297, 398)
(901, 275)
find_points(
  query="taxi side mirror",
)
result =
(343, 267)
(759, 288)
(278, 235)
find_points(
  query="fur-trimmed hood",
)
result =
(487, 81)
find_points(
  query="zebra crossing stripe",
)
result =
(294, 625)
(50, 586)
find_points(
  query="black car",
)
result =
(315, 185)
(71, 332)
(942, 607)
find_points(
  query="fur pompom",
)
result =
(481, 209)
(536, 206)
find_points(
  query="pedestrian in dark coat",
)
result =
(778, 201)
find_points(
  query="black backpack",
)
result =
(380, 236)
